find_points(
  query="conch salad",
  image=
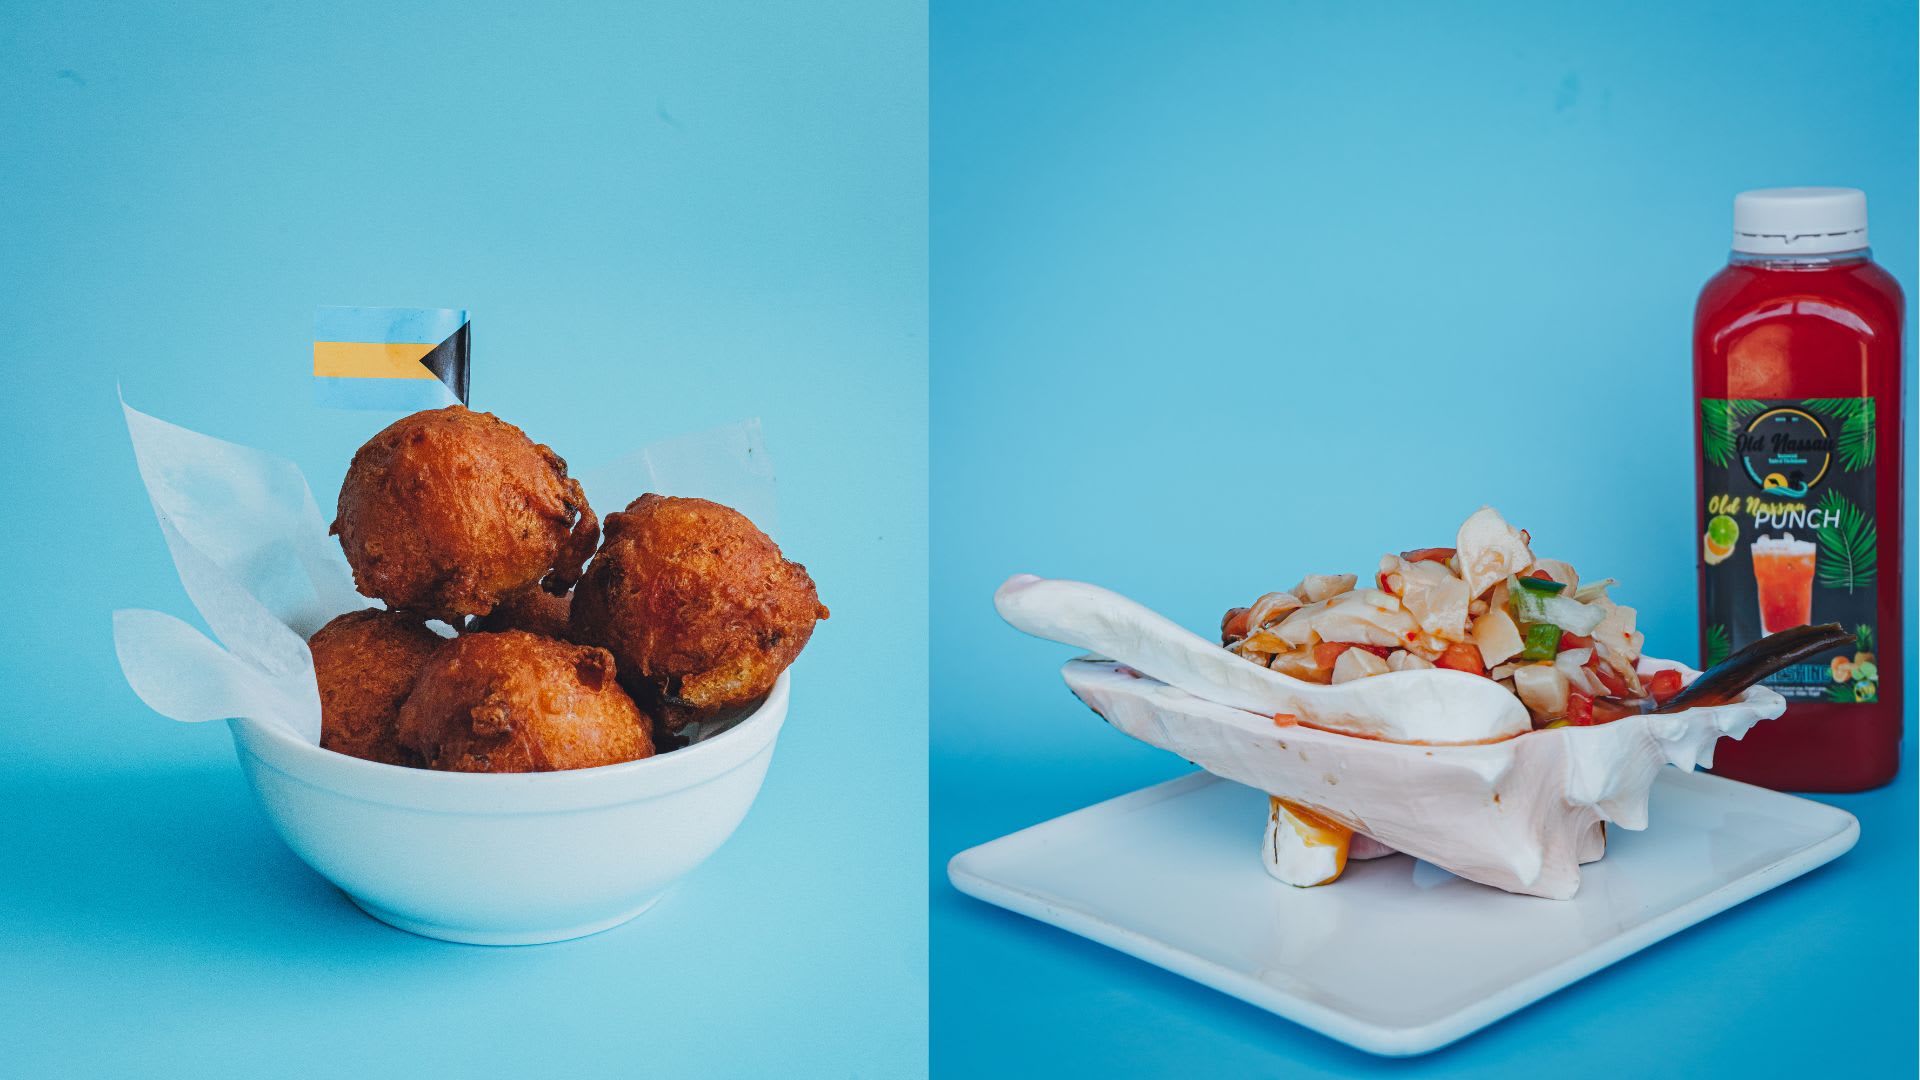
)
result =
(1486, 606)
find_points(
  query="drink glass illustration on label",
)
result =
(1783, 576)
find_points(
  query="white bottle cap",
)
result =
(1800, 221)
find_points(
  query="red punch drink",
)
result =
(1796, 375)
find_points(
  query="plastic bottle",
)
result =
(1796, 374)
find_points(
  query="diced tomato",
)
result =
(1327, 652)
(1663, 685)
(1541, 575)
(1380, 579)
(1579, 709)
(1574, 641)
(1284, 719)
(1439, 555)
(1606, 712)
(1462, 656)
(1234, 625)
(1616, 686)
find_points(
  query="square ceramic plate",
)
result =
(1171, 874)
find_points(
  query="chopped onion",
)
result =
(1530, 606)
(1572, 664)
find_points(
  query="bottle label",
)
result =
(1790, 537)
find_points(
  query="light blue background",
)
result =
(663, 219)
(1226, 293)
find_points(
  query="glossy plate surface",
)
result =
(1397, 957)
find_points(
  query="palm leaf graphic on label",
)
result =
(1720, 420)
(1848, 546)
(1719, 644)
(1863, 637)
(1853, 442)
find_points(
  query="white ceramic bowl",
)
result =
(510, 858)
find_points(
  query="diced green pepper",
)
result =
(1542, 642)
(1536, 601)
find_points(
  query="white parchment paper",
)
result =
(250, 544)
(728, 465)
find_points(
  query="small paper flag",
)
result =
(398, 359)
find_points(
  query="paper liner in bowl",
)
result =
(1521, 814)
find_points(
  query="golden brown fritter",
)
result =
(518, 702)
(532, 609)
(448, 510)
(697, 605)
(366, 663)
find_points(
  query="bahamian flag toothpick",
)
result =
(400, 359)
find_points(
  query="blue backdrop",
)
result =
(1230, 292)
(662, 219)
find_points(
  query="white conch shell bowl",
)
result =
(1521, 814)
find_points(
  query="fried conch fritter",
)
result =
(697, 605)
(366, 663)
(448, 510)
(518, 702)
(532, 609)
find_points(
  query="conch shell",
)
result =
(1521, 814)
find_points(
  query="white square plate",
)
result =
(1397, 957)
